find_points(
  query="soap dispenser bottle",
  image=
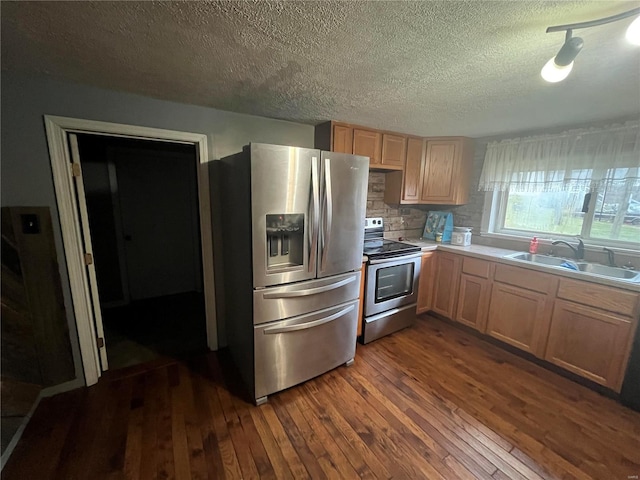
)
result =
(533, 245)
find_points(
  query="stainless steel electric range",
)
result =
(391, 288)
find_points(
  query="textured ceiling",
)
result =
(428, 68)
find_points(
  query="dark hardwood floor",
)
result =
(428, 402)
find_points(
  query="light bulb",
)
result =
(552, 72)
(633, 32)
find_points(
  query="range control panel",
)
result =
(373, 222)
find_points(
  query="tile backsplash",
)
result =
(399, 220)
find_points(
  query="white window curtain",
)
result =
(576, 160)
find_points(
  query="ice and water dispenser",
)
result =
(285, 241)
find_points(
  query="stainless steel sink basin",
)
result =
(534, 258)
(613, 272)
(579, 266)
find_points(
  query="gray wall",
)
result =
(26, 171)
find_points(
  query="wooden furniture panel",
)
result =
(525, 278)
(394, 150)
(477, 267)
(425, 287)
(473, 302)
(367, 143)
(446, 279)
(363, 273)
(519, 317)
(591, 343)
(41, 277)
(342, 139)
(599, 296)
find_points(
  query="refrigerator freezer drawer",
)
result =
(295, 350)
(278, 303)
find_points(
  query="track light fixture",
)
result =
(559, 67)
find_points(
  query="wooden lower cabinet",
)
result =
(473, 302)
(425, 285)
(519, 317)
(446, 278)
(591, 343)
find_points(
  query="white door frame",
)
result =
(57, 129)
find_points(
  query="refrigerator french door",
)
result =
(307, 213)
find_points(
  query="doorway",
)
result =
(142, 209)
(76, 240)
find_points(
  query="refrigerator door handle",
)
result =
(313, 248)
(304, 326)
(309, 291)
(326, 234)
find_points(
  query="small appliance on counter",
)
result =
(438, 227)
(461, 236)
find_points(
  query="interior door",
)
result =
(158, 205)
(344, 179)
(86, 237)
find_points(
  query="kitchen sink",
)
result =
(613, 272)
(543, 259)
(578, 266)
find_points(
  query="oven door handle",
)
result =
(395, 259)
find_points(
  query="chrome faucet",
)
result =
(610, 256)
(578, 252)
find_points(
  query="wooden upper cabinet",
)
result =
(447, 171)
(368, 143)
(394, 150)
(342, 139)
(412, 178)
(437, 172)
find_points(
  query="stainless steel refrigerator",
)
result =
(293, 227)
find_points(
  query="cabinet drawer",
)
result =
(525, 278)
(605, 298)
(474, 266)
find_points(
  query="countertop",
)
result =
(498, 255)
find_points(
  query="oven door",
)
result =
(391, 283)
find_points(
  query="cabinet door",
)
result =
(438, 183)
(425, 287)
(445, 280)
(589, 342)
(342, 139)
(473, 301)
(367, 143)
(412, 178)
(519, 317)
(394, 150)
